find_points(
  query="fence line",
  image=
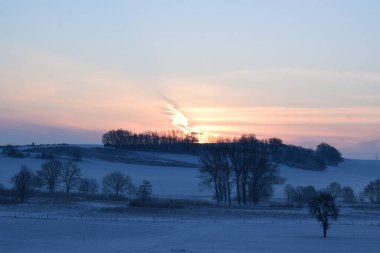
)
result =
(190, 221)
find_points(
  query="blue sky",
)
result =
(230, 67)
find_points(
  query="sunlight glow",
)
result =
(181, 122)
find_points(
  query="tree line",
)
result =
(47, 152)
(66, 173)
(176, 141)
(302, 195)
(122, 137)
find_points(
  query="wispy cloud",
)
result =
(178, 119)
(182, 122)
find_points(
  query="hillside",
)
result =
(175, 175)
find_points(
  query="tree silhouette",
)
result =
(70, 174)
(117, 182)
(329, 154)
(348, 195)
(88, 186)
(324, 209)
(372, 191)
(50, 173)
(22, 182)
(144, 191)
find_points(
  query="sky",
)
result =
(304, 71)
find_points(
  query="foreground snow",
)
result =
(39, 235)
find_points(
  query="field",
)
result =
(186, 219)
(39, 235)
(176, 176)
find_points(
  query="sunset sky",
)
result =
(304, 71)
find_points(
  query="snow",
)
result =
(166, 181)
(21, 235)
(60, 227)
(183, 182)
(353, 173)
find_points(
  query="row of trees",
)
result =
(55, 173)
(304, 158)
(246, 167)
(302, 195)
(47, 152)
(242, 167)
(12, 151)
(177, 141)
(122, 137)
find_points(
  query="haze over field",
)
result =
(304, 71)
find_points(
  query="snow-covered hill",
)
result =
(183, 181)
(365, 150)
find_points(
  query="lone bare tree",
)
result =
(324, 209)
(22, 182)
(70, 174)
(117, 182)
(50, 173)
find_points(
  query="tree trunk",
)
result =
(229, 192)
(225, 192)
(325, 225)
(238, 189)
(244, 191)
(216, 191)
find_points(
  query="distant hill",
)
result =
(369, 150)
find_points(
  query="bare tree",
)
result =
(324, 209)
(50, 173)
(303, 195)
(215, 172)
(144, 191)
(249, 149)
(117, 182)
(2, 190)
(335, 189)
(22, 182)
(70, 174)
(263, 176)
(372, 191)
(348, 195)
(209, 172)
(235, 159)
(289, 192)
(88, 186)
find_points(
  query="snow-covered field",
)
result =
(43, 226)
(183, 182)
(115, 236)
